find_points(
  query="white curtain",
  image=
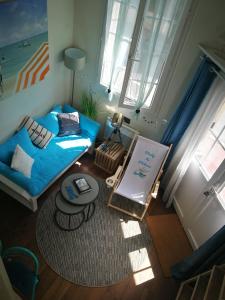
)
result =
(160, 21)
(186, 148)
(120, 21)
(155, 34)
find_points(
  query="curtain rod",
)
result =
(219, 73)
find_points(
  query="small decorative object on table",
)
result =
(70, 192)
(82, 185)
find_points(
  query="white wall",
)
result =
(80, 23)
(207, 23)
(56, 88)
(89, 21)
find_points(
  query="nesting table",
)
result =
(72, 206)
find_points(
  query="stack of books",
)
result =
(82, 185)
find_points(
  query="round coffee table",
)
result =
(77, 203)
(69, 210)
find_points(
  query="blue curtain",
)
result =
(211, 253)
(191, 101)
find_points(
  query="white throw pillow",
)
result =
(22, 162)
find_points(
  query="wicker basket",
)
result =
(109, 159)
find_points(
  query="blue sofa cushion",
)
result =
(87, 125)
(21, 138)
(49, 163)
(53, 160)
(69, 123)
(56, 109)
(50, 121)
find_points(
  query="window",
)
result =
(211, 151)
(138, 38)
(120, 23)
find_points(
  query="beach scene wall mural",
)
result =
(24, 52)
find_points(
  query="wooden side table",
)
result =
(108, 158)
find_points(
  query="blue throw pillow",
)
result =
(50, 121)
(87, 125)
(69, 124)
(21, 138)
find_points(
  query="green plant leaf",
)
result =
(89, 106)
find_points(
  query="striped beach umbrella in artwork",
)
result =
(35, 69)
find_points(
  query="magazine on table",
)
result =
(82, 185)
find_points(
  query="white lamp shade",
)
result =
(74, 59)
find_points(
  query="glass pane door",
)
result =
(211, 150)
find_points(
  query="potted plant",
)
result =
(89, 106)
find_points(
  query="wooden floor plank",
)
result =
(169, 239)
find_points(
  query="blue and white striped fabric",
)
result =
(39, 135)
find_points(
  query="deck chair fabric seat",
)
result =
(142, 170)
(141, 176)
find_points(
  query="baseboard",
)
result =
(180, 214)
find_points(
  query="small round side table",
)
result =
(69, 210)
(70, 193)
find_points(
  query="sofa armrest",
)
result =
(88, 125)
(16, 177)
(12, 183)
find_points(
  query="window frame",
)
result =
(216, 141)
(131, 55)
(170, 63)
(166, 73)
(102, 47)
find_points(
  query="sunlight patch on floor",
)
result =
(139, 259)
(130, 228)
(143, 276)
(141, 266)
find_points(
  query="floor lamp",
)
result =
(75, 60)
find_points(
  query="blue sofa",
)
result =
(49, 163)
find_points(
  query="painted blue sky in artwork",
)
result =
(22, 19)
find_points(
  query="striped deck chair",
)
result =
(139, 180)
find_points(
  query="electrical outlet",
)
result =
(126, 120)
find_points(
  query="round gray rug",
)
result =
(104, 250)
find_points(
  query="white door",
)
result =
(201, 208)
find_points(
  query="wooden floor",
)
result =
(17, 227)
(167, 233)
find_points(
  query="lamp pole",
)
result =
(73, 86)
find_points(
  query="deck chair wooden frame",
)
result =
(115, 180)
